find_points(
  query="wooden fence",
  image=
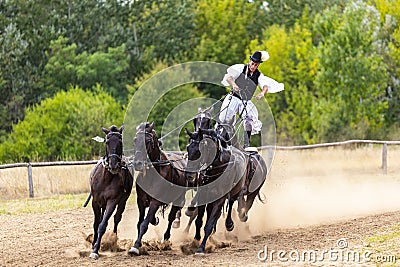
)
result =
(43, 164)
(269, 148)
(348, 142)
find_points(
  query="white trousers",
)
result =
(233, 105)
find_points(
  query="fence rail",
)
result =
(384, 144)
(29, 165)
(348, 142)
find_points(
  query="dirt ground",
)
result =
(309, 208)
(58, 238)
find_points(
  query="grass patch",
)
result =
(55, 203)
(385, 238)
(385, 247)
(41, 205)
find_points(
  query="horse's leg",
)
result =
(118, 214)
(229, 224)
(242, 213)
(191, 219)
(97, 220)
(171, 218)
(153, 207)
(249, 203)
(177, 222)
(189, 211)
(199, 221)
(111, 205)
(209, 211)
(142, 210)
(211, 222)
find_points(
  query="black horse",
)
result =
(111, 184)
(202, 120)
(221, 174)
(153, 185)
(257, 174)
(257, 169)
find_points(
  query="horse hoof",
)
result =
(134, 251)
(155, 221)
(244, 218)
(165, 241)
(176, 223)
(189, 213)
(230, 227)
(94, 256)
(199, 252)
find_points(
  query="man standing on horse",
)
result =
(244, 79)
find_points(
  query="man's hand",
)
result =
(259, 96)
(231, 81)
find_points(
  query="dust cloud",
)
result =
(302, 189)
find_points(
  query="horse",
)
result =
(202, 120)
(171, 169)
(110, 185)
(228, 164)
(257, 169)
(257, 173)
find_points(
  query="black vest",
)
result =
(247, 86)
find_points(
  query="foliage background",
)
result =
(69, 67)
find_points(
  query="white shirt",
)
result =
(234, 71)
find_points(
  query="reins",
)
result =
(159, 162)
(182, 124)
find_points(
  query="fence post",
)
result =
(30, 180)
(384, 158)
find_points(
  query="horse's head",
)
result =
(225, 133)
(113, 148)
(203, 119)
(145, 143)
(202, 150)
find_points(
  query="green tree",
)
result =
(390, 16)
(292, 61)
(26, 29)
(225, 29)
(164, 29)
(14, 70)
(61, 128)
(352, 80)
(165, 104)
(287, 12)
(65, 68)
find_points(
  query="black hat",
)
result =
(256, 57)
(259, 56)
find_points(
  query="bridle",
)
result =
(203, 118)
(109, 156)
(205, 166)
(145, 162)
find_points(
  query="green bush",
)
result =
(61, 128)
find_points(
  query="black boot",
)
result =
(246, 139)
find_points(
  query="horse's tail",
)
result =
(259, 197)
(87, 200)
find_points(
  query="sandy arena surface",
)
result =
(299, 215)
